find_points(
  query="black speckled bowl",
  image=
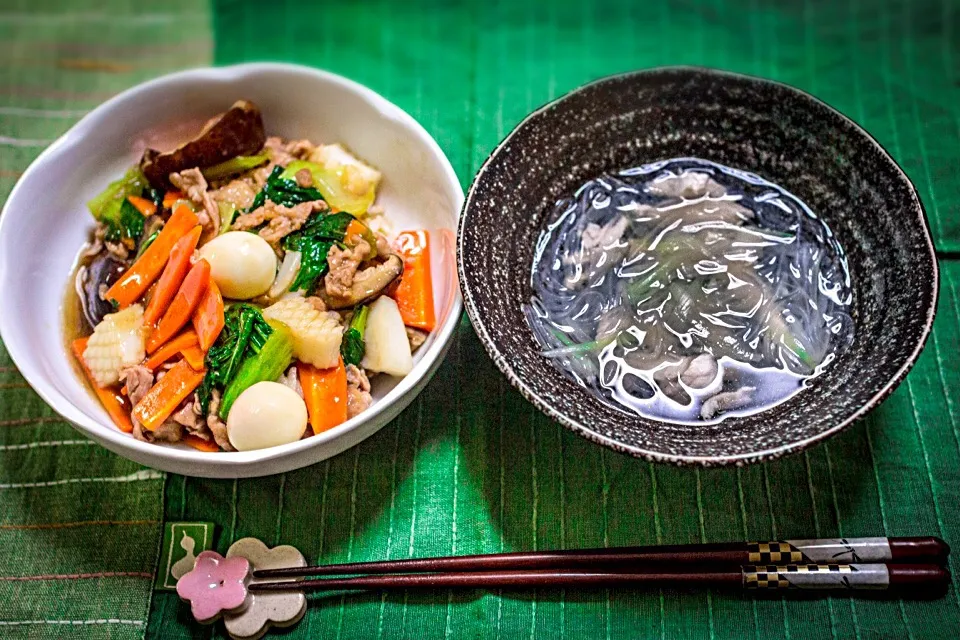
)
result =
(773, 130)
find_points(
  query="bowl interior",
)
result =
(46, 221)
(772, 130)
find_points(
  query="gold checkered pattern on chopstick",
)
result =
(776, 577)
(768, 577)
(774, 553)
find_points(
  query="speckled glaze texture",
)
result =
(773, 130)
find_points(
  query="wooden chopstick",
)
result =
(845, 550)
(912, 579)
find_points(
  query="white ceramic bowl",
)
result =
(45, 222)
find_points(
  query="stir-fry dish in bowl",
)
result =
(239, 291)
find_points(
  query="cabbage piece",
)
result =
(347, 184)
(233, 166)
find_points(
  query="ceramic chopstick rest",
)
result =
(217, 587)
(263, 610)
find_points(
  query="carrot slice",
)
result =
(171, 197)
(178, 383)
(200, 444)
(143, 205)
(325, 393)
(355, 228)
(183, 305)
(117, 406)
(183, 341)
(208, 318)
(194, 357)
(172, 276)
(414, 294)
(148, 266)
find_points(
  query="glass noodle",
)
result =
(688, 291)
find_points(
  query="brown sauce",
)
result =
(74, 326)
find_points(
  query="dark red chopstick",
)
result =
(845, 550)
(915, 579)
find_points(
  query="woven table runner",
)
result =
(79, 526)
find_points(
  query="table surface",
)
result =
(471, 467)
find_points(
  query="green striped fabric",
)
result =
(79, 527)
(471, 467)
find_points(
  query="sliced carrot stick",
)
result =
(143, 205)
(414, 294)
(172, 196)
(194, 357)
(325, 392)
(178, 383)
(200, 444)
(208, 318)
(183, 305)
(183, 341)
(117, 406)
(172, 277)
(148, 266)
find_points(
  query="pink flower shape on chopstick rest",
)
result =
(215, 585)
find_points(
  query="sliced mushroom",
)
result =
(236, 132)
(367, 284)
(102, 271)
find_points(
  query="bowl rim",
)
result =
(502, 363)
(239, 461)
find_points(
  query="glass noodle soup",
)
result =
(688, 291)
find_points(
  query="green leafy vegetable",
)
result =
(124, 223)
(153, 195)
(268, 363)
(332, 226)
(234, 166)
(111, 207)
(284, 191)
(131, 184)
(353, 347)
(244, 333)
(313, 241)
(313, 263)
